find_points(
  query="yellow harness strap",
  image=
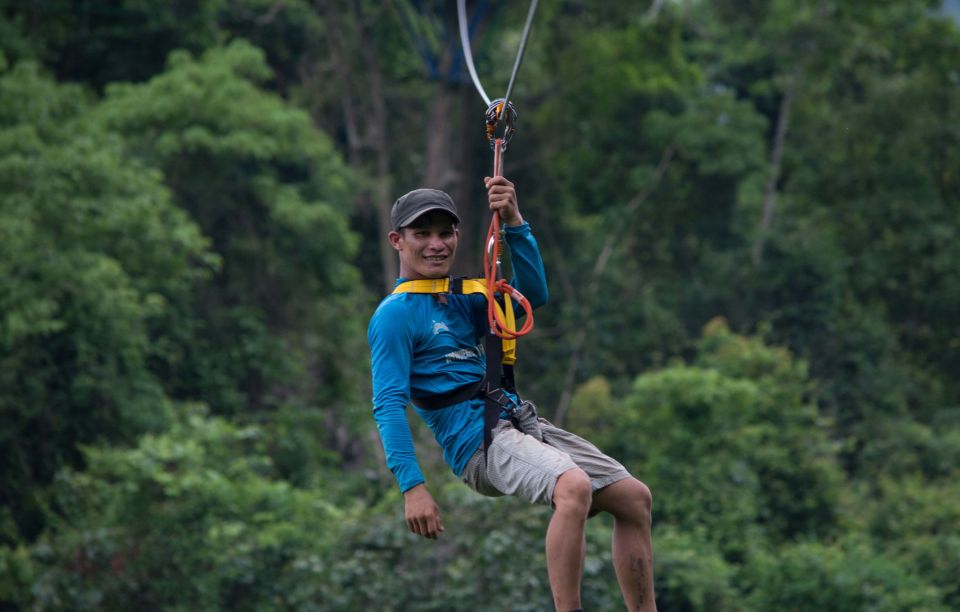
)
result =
(467, 286)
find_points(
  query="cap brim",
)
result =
(413, 217)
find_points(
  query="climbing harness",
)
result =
(497, 387)
(501, 354)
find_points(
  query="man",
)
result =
(425, 346)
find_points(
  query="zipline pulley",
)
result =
(495, 114)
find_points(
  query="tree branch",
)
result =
(271, 14)
(776, 158)
(599, 266)
(653, 11)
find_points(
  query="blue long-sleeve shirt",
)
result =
(421, 347)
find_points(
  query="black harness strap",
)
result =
(468, 391)
(495, 398)
(493, 391)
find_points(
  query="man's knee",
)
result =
(643, 495)
(573, 492)
(637, 500)
(627, 500)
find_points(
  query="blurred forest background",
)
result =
(749, 212)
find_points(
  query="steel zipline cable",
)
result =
(468, 53)
(497, 111)
(520, 50)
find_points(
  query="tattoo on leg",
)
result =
(637, 566)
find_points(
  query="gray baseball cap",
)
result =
(419, 201)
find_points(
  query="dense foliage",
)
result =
(749, 213)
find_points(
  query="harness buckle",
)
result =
(505, 402)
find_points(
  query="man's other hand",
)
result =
(422, 513)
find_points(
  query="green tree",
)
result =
(856, 208)
(93, 255)
(646, 160)
(726, 444)
(99, 42)
(790, 166)
(279, 328)
(849, 576)
(917, 520)
(893, 193)
(200, 517)
(192, 518)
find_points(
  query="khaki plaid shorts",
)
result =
(524, 467)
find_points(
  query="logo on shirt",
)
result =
(464, 354)
(439, 326)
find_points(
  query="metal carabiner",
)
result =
(493, 252)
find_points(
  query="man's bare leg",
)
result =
(630, 502)
(566, 544)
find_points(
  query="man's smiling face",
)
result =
(427, 246)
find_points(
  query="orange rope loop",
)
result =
(491, 271)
